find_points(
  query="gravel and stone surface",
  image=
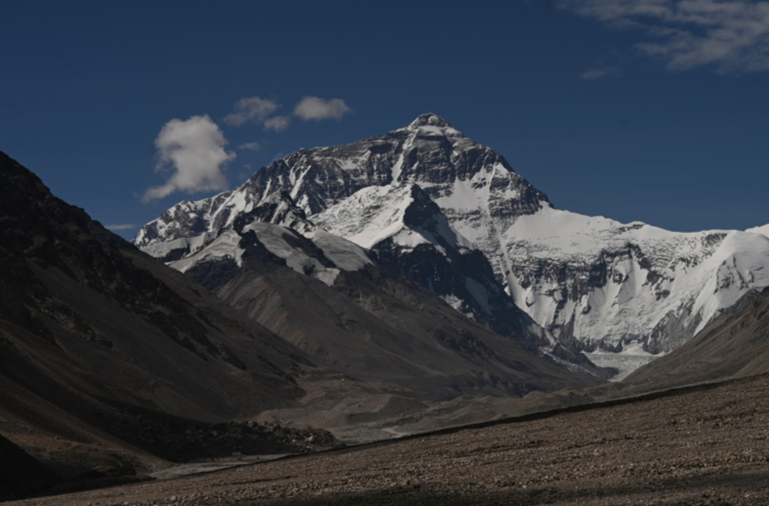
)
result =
(707, 446)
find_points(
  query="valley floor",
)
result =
(708, 446)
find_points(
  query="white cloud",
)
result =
(194, 149)
(277, 123)
(251, 146)
(314, 108)
(728, 35)
(251, 109)
(260, 111)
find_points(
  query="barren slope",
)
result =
(104, 350)
(699, 447)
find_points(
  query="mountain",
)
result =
(454, 216)
(111, 362)
(338, 303)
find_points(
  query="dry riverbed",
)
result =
(702, 447)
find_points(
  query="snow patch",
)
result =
(227, 245)
(273, 237)
(764, 230)
(628, 360)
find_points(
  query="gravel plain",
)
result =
(707, 446)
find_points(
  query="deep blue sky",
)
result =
(594, 104)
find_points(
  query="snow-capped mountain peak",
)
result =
(432, 124)
(593, 282)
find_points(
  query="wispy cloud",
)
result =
(314, 108)
(194, 150)
(277, 123)
(251, 146)
(251, 109)
(261, 111)
(122, 226)
(731, 36)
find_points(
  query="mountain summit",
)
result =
(620, 293)
(428, 152)
(433, 122)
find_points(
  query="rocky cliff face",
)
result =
(455, 216)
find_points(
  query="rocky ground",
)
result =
(707, 446)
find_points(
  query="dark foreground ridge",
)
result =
(112, 364)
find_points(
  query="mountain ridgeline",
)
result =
(453, 216)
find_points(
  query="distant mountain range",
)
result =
(454, 216)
